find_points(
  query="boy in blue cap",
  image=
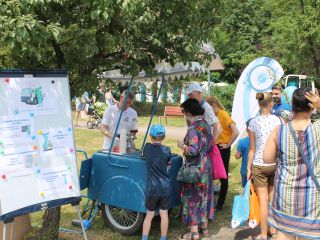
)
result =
(158, 157)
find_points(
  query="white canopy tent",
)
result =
(178, 71)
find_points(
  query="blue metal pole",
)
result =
(118, 123)
(153, 112)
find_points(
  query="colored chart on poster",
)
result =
(37, 150)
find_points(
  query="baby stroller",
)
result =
(95, 113)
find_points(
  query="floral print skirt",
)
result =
(197, 203)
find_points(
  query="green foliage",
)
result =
(224, 95)
(88, 37)
(287, 31)
(295, 38)
(237, 36)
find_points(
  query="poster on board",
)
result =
(37, 150)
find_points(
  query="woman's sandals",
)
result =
(204, 232)
(190, 236)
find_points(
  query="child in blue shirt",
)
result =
(242, 151)
(158, 157)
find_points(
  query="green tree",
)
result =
(295, 38)
(89, 37)
(237, 36)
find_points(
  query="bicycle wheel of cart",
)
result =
(90, 125)
(122, 220)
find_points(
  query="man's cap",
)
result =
(157, 130)
(193, 87)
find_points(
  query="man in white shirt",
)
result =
(111, 117)
(194, 90)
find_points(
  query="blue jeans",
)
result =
(243, 180)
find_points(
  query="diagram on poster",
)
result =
(34, 97)
(56, 141)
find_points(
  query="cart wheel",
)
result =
(122, 220)
(90, 125)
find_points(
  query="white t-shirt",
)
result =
(209, 115)
(110, 118)
(262, 126)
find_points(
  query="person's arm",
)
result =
(252, 150)
(106, 97)
(270, 151)
(217, 129)
(314, 99)
(238, 154)
(234, 134)
(94, 98)
(213, 121)
(192, 148)
(169, 162)
(106, 119)
(105, 131)
(113, 99)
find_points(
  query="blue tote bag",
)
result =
(241, 207)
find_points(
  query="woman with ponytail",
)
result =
(262, 174)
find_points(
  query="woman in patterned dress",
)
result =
(197, 198)
(295, 210)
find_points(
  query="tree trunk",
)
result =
(50, 226)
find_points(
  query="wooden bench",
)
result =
(171, 112)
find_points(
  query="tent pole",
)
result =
(12, 231)
(4, 231)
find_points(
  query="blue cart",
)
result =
(118, 182)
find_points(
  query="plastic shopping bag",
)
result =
(219, 172)
(254, 216)
(240, 209)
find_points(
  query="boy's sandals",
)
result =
(204, 232)
(190, 236)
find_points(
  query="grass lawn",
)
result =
(91, 141)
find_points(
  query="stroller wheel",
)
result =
(99, 124)
(90, 125)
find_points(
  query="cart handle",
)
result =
(83, 152)
(154, 108)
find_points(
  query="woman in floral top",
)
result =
(197, 198)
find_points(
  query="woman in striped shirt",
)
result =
(295, 210)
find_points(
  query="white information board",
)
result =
(37, 151)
